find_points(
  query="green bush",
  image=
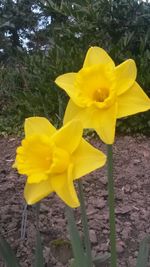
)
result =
(27, 84)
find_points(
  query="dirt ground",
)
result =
(132, 189)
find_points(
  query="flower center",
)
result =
(94, 86)
(101, 94)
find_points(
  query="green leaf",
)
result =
(39, 259)
(75, 264)
(143, 255)
(77, 247)
(7, 254)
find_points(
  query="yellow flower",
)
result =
(52, 159)
(100, 93)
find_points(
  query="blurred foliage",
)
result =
(52, 38)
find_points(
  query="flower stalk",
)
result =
(111, 202)
(85, 225)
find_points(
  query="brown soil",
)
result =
(132, 187)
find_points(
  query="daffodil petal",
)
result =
(97, 55)
(125, 76)
(67, 82)
(133, 101)
(69, 136)
(64, 188)
(85, 115)
(38, 125)
(36, 178)
(103, 121)
(71, 111)
(105, 124)
(35, 192)
(86, 159)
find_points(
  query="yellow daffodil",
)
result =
(52, 159)
(102, 92)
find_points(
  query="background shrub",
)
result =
(47, 38)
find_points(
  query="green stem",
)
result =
(111, 202)
(85, 225)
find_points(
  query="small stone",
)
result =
(104, 246)
(44, 208)
(105, 231)
(104, 193)
(132, 261)
(118, 229)
(146, 154)
(120, 247)
(91, 210)
(105, 217)
(134, 216)
(93, 237)
(104, 180)
(136, 161)
(126, 233)
(134, 186)
(94, 224)
(123, 210)
(99, 203)
(127, 188)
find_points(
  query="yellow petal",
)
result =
(69, 136)
(63, 186)
(105, 124)
(35, 192)
(125, 76)
(38, 125)
(86, 159)
(132, 101)
(103, 121)
(71, 111)
(85, 115)
(97, 55)
(67, 82)
(37, 178)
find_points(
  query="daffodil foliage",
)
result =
(101, 92)
(52, 159)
